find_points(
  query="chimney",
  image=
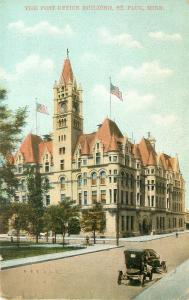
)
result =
(151, 139)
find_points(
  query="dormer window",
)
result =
(20, 169)
(46, 166)
(98, 158)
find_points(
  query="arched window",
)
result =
(62, 183)
(102, 177)
(79, 180)
(93, 178)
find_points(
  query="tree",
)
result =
(67, 210)
(51, 220)
(11, 124)
(94, 220)
(37, 187)
(74, 226)
(19, 218)
(61, 215)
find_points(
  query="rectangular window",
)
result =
(62, 197)
(80, 198)
(122, 197)
(152, 200)
(122, 223)
(20, 169)
(84, 181)
(115, 195)
(114, 158)
(110, 195)
(47, 200)
(110, 158)
(103, 196)
(127, 223)
(79, 163)
(132, 223)
(132, 198)
(127, 197)
(85, 197)
(84, 162)
(16, 198)
(97, 158)
(23, 199)
(138, 197)
(94, 196)
(62, 164)
(62, 150)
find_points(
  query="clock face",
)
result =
(75, 107)
(63, 107)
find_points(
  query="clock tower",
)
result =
(67, 119)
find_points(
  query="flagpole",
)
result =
(110, 98)
(36, 116)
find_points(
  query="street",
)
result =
(90, 276)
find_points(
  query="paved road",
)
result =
(91, 276)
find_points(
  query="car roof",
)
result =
(135, 250)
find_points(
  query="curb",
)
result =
(36, 261)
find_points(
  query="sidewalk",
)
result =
(174, 286)
(48, 257)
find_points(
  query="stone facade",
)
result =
(140, 188)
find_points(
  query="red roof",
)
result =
(29, 148)
(67, 73)
(147, 152)
(108, 134)
(33, 148)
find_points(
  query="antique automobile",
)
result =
(137, 267)
(158, 266)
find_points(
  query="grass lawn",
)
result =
(26, 251)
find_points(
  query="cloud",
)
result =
(101, 93)
(164, 119)
(131, 99)
(89, 57)
(148, 70)
(123, 39)
(43, 27)
(135, 101)
(32, 63)
(165, 37)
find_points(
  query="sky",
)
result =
(142, 45)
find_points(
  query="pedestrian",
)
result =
(87, 240)
(176, 234)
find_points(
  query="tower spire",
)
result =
(68, 53)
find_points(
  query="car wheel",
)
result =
(151, 276)
(119, 277)
(142, 279)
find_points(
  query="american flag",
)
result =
(115, 91)
(41, 108)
